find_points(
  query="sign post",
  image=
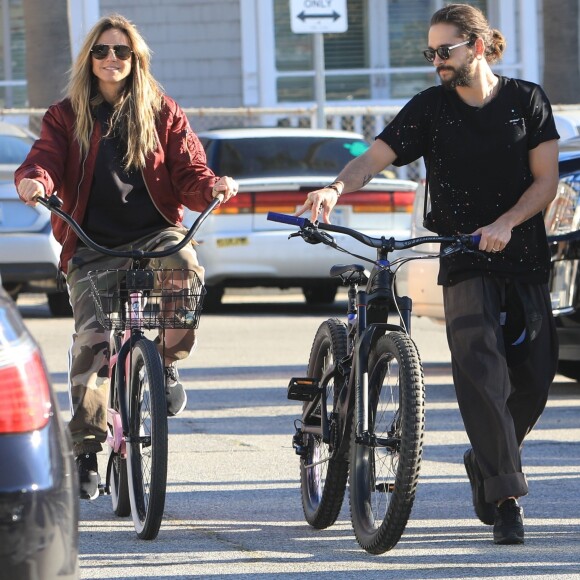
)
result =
(317, 17)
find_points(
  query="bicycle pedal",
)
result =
(303, 389)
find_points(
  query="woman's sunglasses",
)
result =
(121, 51)
(443, 52)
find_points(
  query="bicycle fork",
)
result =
(366, 337)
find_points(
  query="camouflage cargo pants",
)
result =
(90, 350)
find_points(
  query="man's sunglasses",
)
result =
(443, 52)
(121, 51)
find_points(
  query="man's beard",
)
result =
(462, 77)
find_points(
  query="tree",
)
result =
(48, 51)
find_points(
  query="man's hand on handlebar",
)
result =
(494, 237)
(29, 190)
(226, 187)
(319, 202)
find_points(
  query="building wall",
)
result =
(196, 47)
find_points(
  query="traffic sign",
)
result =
(313, 16)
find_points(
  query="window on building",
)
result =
(12, 55)
(384, 41)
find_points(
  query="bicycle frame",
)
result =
(362, 332)
(138, 285)
(119, 361)
(354, 369)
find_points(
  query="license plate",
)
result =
(229, 242)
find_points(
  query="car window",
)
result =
(278, 157)
(13, 150)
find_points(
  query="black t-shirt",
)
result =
(120, 209)
(479, 168)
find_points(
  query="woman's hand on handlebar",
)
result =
(29, 190)
(320, 201)
(226, 187)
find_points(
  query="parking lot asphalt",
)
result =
(233, 506)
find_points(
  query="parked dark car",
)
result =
(39, 505)
(563, 217)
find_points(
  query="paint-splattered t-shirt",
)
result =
(479, 168)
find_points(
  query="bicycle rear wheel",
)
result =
(384, 475)
(118, 482)
(147, 446)
(323, 474)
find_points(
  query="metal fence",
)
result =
(369, 121)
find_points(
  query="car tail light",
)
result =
(241, 203)
(24, 389)
(379, 201)
(287, 202)
(280, 201)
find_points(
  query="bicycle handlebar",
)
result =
(474, 241)
(53, 204)
(388, 244)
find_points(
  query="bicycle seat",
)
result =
(350, 273)
(339, 269)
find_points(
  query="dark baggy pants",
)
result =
(499, 403)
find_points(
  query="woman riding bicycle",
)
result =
(124, 160)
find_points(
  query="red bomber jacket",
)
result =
(176, 173)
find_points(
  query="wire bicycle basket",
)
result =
(173, 298)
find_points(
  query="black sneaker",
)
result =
(174, 391)
(509, 524)
(89, 478)
(483, 510)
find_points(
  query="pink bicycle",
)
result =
(128, 302)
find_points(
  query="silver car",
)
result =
(29, 254)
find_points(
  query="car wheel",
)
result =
(59, 304)
(570, 369)
(321, 294)
(213, 298)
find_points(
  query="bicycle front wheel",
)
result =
(384, 473)
(323, 474)
(147, 446)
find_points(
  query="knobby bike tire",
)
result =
(147, 447)
(323, 474)
(118, 481)
(383, 478)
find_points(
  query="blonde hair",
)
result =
(135, 113)
(471, 23)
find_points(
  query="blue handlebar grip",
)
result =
(285, 219)
(475, 240)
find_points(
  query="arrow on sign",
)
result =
(303, 16)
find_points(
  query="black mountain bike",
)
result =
(128, 302)
(363, 415)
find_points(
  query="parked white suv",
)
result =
(275, 169)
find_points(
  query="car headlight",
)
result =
(563, 214)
